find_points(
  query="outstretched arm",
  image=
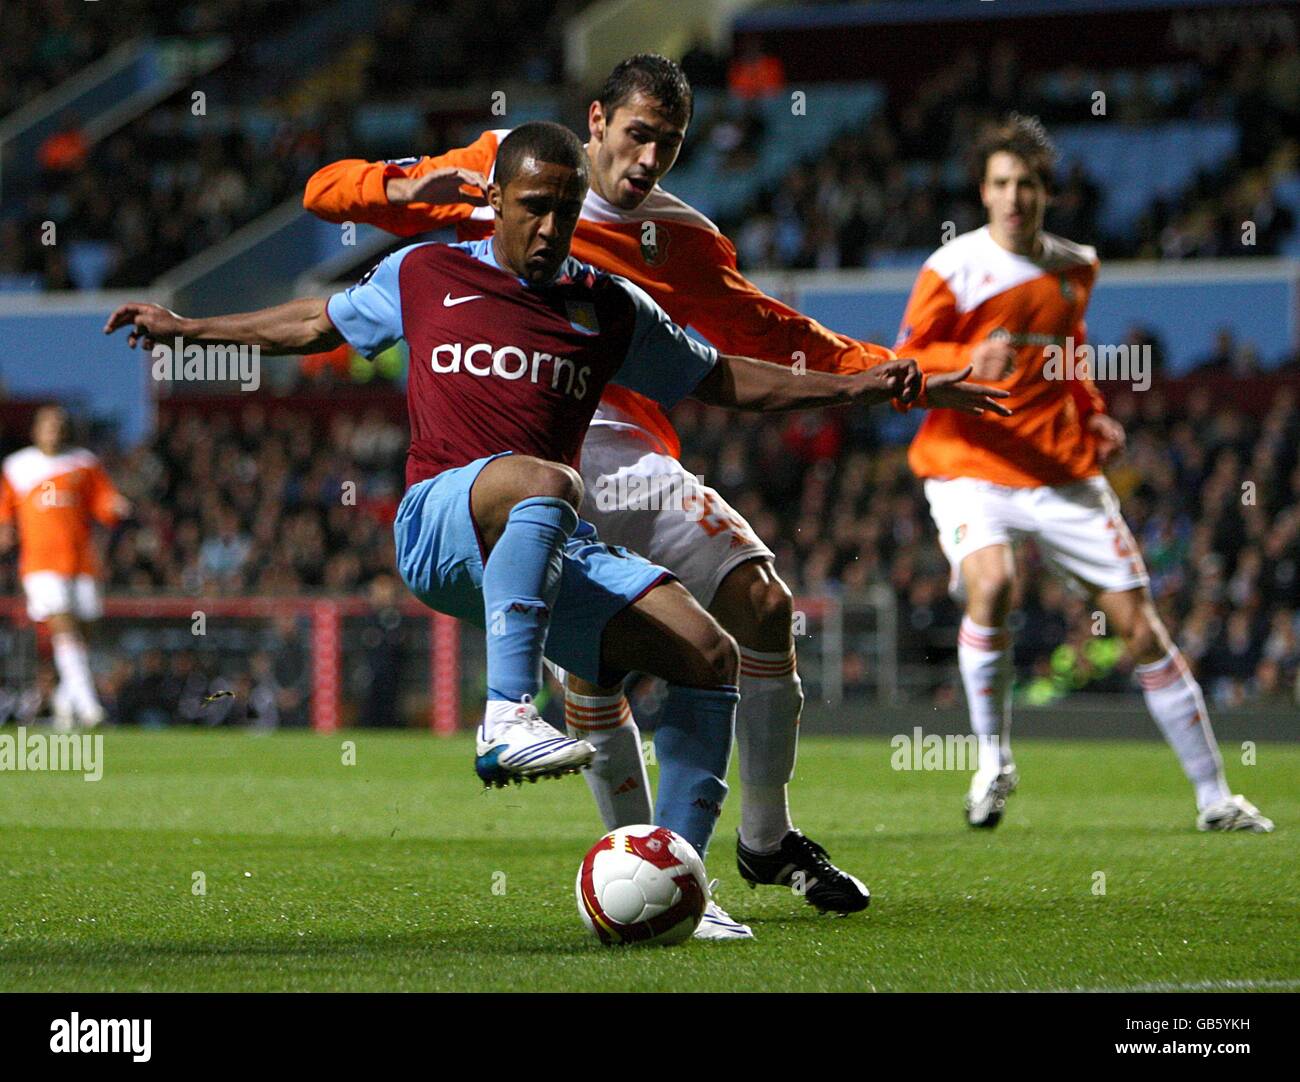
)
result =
(299, 326)
(408, 196)
(739, 318)
(743, 383)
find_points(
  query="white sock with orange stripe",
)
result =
(984, 658)
(617, 775)
(1174, 698)
(767, 734)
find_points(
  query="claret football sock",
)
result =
(984, 658)
(1174, 699)
(617, 775)
(521, 581)
(693, 746)
(767, 740)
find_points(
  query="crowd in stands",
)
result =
(1211, 493)
(171, 184)
(281, 504)
(271, 505)
(49, 41)
(892, 183)
(286, 503)
(464, 44)
(165, 188)
(176, 189)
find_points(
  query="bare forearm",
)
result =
(743, 383)
(299, 326)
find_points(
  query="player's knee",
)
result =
(772, 610)
(991, 590)
(1144, 640)
(721, 657)
(554, 480)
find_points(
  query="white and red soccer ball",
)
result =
(642, 884)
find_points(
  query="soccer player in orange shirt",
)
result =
(999, 300)
(51, 493)
(632, 227)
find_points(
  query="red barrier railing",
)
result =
(326, 617)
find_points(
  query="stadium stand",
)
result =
(241, 499)
(1151, 185)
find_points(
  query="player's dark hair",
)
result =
(1023, 136)
(542, 141)
(654, 76)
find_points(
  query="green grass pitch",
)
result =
(400, 873)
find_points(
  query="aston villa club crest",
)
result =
(654, 246)
(582, 316)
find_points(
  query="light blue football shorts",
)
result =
(440, 558)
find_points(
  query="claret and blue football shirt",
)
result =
(498, 364)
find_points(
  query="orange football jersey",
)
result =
(52, 499)
(666, 247)
(973, 289)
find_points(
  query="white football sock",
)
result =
(76, 681)
(984, 658)
(63, 713)
(767, 735)
(617, 775)
(1174, 698)
(495, 714)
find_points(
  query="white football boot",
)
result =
(1234, 813)
(716, 924)
(92, 716)
(987, 798)
(524, 746)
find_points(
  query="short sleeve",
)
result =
(663, 362)
(369, 314)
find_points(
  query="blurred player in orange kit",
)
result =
(630, 226)
(1004, 300)
(50, 492)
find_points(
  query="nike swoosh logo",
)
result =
(449, 302)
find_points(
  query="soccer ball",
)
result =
(642, 884)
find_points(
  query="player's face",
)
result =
(537, 212)
(49, 429)
(1016, 200)
(631, 149)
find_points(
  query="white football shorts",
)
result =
(644, 500)
(1078, 528)
(51, 594)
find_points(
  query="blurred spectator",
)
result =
(150, 697)
(380, 674)
(64, 150)
(755, 73)
(221, 558)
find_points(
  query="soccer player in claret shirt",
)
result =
(512, 342)
(991, 301)
(632, 227)
(53, 493)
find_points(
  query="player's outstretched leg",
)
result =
(985, 660)
(754, 605)
(1175, 701)
(525, 511)
(666, 633)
